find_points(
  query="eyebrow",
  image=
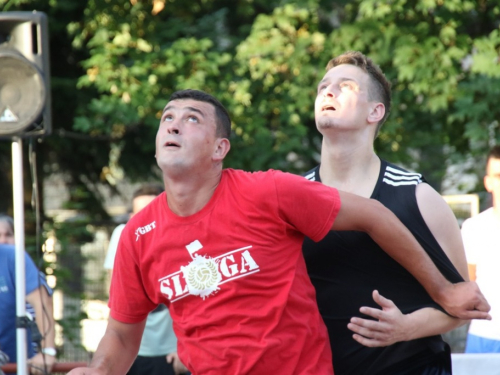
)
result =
(168, 107)
(340, 79)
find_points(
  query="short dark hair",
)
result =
(381, 88)
(150, 188)
(9, 220)
(493, 154)
(221, 113)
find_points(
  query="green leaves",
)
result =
(263, 60)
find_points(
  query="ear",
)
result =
(222, 147)
(377, 112)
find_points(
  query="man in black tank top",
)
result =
(400, 334)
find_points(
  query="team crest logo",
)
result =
(202, 276)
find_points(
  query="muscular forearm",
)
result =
(408, 252)
(393, 237)
(118, 348)
(387, 325)
(108, 363)
(430, 322)
(463, 300)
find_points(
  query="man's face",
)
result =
(492, 179)
(342, 100)
(186, 137)
(6, 233)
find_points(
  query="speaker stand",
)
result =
(18, 200)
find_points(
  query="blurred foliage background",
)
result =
(114, 64)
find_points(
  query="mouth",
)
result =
(170, 144)
(328, 107)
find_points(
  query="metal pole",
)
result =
(18, 199)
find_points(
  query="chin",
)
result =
(325, 123)
(169, 166)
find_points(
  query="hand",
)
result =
(178, 366)
(41, 364)
(464, 301)
(390, 327)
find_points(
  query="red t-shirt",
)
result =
(232, 274)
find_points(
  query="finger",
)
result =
(472, 314)
(371, 333)
(368, 323)
(366, 333)
(374, 313)
(381, 300)
(483, 305)
(367, 342)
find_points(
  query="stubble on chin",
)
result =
(325, 123)
(171, 167)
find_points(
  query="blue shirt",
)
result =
(8, 298)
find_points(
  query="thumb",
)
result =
(170, 358)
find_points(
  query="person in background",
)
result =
(6, 229)
(38, 298)
(222, 248)
(481, 235)
(402, 332)
(158, 350)
(7, 237)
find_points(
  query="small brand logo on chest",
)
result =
(145, 229)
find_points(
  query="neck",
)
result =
(188, 195)
(349, 164)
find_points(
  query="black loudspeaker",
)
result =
(24, 75)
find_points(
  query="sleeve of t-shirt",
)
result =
(112, 247)
(128, 301)
(43, 281)
(310, 207)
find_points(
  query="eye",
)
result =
(321, 88)
(346, 86)
(166, 118)
(192, 118)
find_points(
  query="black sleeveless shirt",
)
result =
(346, 266)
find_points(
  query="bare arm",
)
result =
(443, 225)
(116, 351)
(392, 326)
(44, 317)
(463, 300)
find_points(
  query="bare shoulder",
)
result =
(443, 225)
(428, 197)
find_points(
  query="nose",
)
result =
(328, 91)
(173, 127)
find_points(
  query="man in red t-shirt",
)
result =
(222, 249)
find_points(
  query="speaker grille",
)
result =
(22, 93)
